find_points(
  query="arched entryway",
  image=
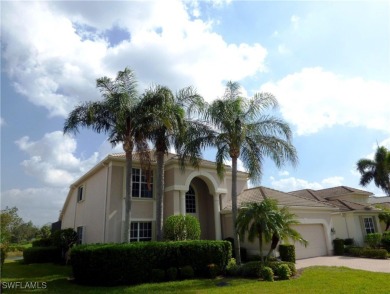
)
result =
(200, 196)
(200, 203)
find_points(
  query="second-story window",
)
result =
(80, 193)
(142, 186)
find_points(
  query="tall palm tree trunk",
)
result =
(129, 185)
(235, 210)
(261, 246)
(160, 194)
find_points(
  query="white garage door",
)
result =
(315, 235)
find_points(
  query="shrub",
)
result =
(275, 264)
(368, 252)
(157, 275)
(386, 241)
(181, 227)
(41, 255)
(287, 252)
(338, 246)
(373, 240)
(44, 242)
(349, 242)
(171, 274)
(375, 253)
(232, 269)
(243, 251)
(283, 271)
(212, 270)
(267, 274)
(187, 272)
(113, 264)
(251, 269)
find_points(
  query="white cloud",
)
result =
(40, 205)
(2, 122)
(295, 21)
(55, 54)
(284, 173)
(293, 184)
(313, 99)
(52, 159)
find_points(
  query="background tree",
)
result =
(116, 116)
(240, 128)
(9, 221)
(384, 216)
(377, 170)
(45, 231)
(24, 232)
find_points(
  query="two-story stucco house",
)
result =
(94, 206)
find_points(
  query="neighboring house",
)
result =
(355, 217)
(381, 200)
(315, 218)
(95, 205)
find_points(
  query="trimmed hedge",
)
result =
(251, 269)
(131, 263)
(42, 255)
(287, 252)
(368, 252)
(44, 242)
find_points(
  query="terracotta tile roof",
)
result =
(328, 196)
(338, 191)
(258, 194)
(308, 193)
(346, 205)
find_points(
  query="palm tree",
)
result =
(258, 220)
(238, 128)
(284, 231)
(116, 116)
(164, 125)
(377, 169)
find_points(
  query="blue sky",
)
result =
(328, 64)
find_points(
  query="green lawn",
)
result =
(312, 280)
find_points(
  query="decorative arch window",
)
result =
(190, 201)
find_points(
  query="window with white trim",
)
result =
(140, 231)
(142, 186)
(369, 225)
(80, 193)
(190, 201)
(80, 235)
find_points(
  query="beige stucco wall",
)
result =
(349, 225)
(90, 212)
(67, 220)
(114, 208)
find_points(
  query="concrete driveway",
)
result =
(367, 264)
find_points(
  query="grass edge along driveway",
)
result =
(320, 279)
